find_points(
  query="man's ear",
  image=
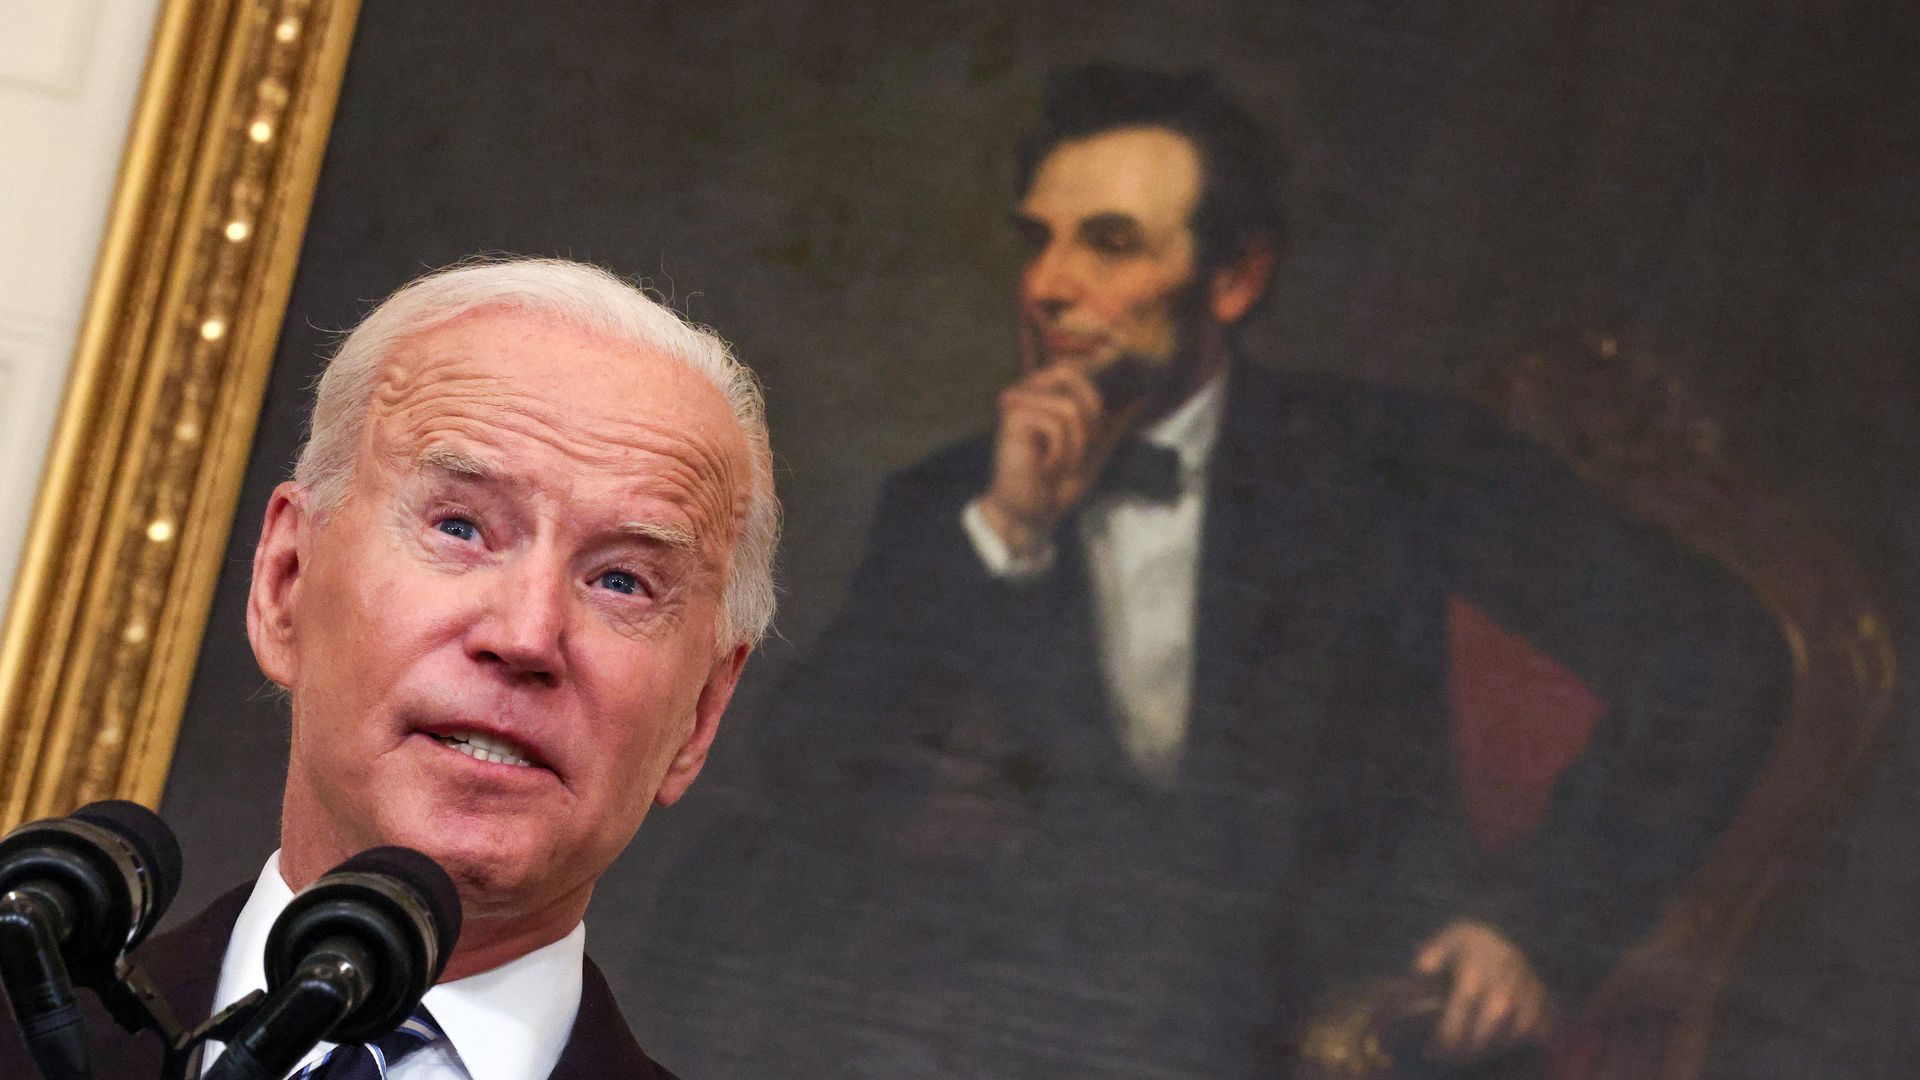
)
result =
(1234, 288)
(706, 724)
(279, 564)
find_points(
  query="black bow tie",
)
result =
(1143, 470)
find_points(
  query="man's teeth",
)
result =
(479, 746)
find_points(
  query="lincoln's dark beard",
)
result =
(1165, 384)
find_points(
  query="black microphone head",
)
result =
(153, 841)
(118, 865)
(428, 880)
(401, 914)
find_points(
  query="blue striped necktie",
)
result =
(370, 1061)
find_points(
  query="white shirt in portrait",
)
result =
(1143, 566)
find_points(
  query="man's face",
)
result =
(1111, 270)
(501, 647)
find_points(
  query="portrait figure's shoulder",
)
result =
(965, 459)
(953, 473)
(1374, 426)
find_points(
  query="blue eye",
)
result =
(459, 528)
(620, 581)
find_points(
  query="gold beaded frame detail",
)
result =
(98, 647)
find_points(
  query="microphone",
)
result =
(347, 960)
(75, 894)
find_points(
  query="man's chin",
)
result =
(492, 867)
(1129, 379)
(499, 888)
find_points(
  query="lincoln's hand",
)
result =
(1054, 437)
(1497, 1001)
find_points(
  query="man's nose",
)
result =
(522, 626)
(1051, 282)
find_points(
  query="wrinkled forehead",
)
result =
(1150, 173)
(562, 409)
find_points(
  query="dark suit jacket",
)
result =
(1048, 909)
(185, 964)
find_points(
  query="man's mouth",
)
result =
(1062, 342)
(486, 748)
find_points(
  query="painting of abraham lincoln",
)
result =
(1169, 650)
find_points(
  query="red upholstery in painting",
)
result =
(1519, 718)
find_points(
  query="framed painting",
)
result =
(1589, 222)
(151, 443)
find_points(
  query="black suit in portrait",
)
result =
(977, 881)
(185, 965)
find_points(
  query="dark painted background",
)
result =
(1733, 186)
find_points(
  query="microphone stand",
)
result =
(267, 1034)
(35, 975)
(136, 1005)
(31, 961)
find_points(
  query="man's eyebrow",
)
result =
(677, 537)
(1110, 219)
(1026, 223)
(445, 459)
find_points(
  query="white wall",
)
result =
(69, 70)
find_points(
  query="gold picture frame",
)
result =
(170, 365)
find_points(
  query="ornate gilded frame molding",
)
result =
(169, 370)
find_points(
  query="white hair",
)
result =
(593, 300)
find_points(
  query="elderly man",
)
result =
(509, 592)
(1141, 702)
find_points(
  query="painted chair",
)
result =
(1628, 426)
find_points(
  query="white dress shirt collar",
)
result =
(508, 1023)
(1193, 428)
